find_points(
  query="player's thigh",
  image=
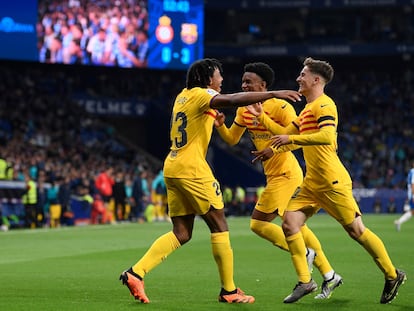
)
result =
(277, 194)
(303, 200)
(192, 196)
(340, 204)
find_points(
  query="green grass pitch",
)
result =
(77, 268)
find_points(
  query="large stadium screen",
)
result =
(159, 34)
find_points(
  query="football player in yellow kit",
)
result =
(191, 186)
(327, 183)
(282, 170)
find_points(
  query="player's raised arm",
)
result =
(247, 98)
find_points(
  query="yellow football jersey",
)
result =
(192, 123)
(324, 169)
(282, 113)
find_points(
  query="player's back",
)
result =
(190, 133)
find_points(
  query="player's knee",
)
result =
(288, 228)
(355, 229)
(183, 237)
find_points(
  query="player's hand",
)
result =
(255, 109)
(262, 155)
(280, 140)
(220, 118)
(294, 96)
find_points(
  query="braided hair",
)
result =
(201, 71)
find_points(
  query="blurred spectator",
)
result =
(377, 208)
(29, 200)
(42, 206)
(142, 48)
(3, 168)
(129, 201)
(391, 207)
(54, 207)
(64, 199)
(104, 184)
(119, 195)
(227, 198)
(159, 197)
(138, 200)
(97, 48)
(99, 213)
(239, 202)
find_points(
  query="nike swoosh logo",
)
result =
(324, 105)
(392, 291)
(284, 106)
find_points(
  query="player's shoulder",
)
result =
(211, 92)
(277, 103)
(201, 90)
(324, 102)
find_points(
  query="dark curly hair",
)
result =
(200, 72)
(263, 70)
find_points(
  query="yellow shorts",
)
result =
(55, 211)
(192, 196)
(338, 202)
(276, 195)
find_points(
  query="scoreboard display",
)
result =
(155, 34)
(175, 33)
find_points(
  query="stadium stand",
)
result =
(53, 118)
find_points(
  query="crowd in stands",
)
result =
(350, 25)
(93, 32)
(47, 138)
(43, 133)
(376, 110)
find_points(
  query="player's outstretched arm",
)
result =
(276, 129)
(326, 136)
(246, 98)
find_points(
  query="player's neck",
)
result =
(311, 96)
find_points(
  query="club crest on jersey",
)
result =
(255, 121)
(212, 92)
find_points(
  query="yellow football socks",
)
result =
(311, 241)
(298, 253)
(223, 255)
(373, 244)
(269, 231)
(159, 250)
